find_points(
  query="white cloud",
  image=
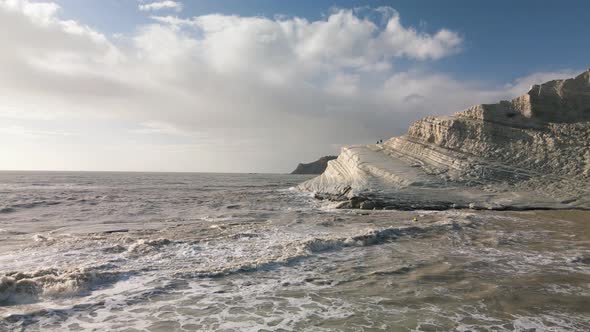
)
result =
(239, 93)
(161, 5)
(39, 12)
(343, 40)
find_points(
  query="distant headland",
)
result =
(315, 167)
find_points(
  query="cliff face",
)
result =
(316, 167)
(530, 152)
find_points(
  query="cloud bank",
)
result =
(219, 92)
(161, 5)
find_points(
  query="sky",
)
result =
(260, 85)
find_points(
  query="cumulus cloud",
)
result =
(222, 92)
(343, 40)
(161, 5)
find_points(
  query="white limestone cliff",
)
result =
(531, 152)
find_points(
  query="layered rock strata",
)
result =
(532, 152)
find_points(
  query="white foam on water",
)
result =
(137, 254)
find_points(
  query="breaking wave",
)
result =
(28, 287)
(292, 251)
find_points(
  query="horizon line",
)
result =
(114, 171)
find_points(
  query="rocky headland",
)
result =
(316, 167)
(532, 152)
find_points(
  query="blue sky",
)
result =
(258, 86)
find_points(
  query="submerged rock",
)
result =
(316, 167)
(532, 152)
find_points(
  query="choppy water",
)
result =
(204, 252)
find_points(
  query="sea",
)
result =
(84, 251)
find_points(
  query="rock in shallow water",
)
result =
(529, 153)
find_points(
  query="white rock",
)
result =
(531, 152)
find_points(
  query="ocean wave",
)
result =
(292, 251)
(7, 209)
(143, 246)
(27, 205)
(27, 287)
(370, 237)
